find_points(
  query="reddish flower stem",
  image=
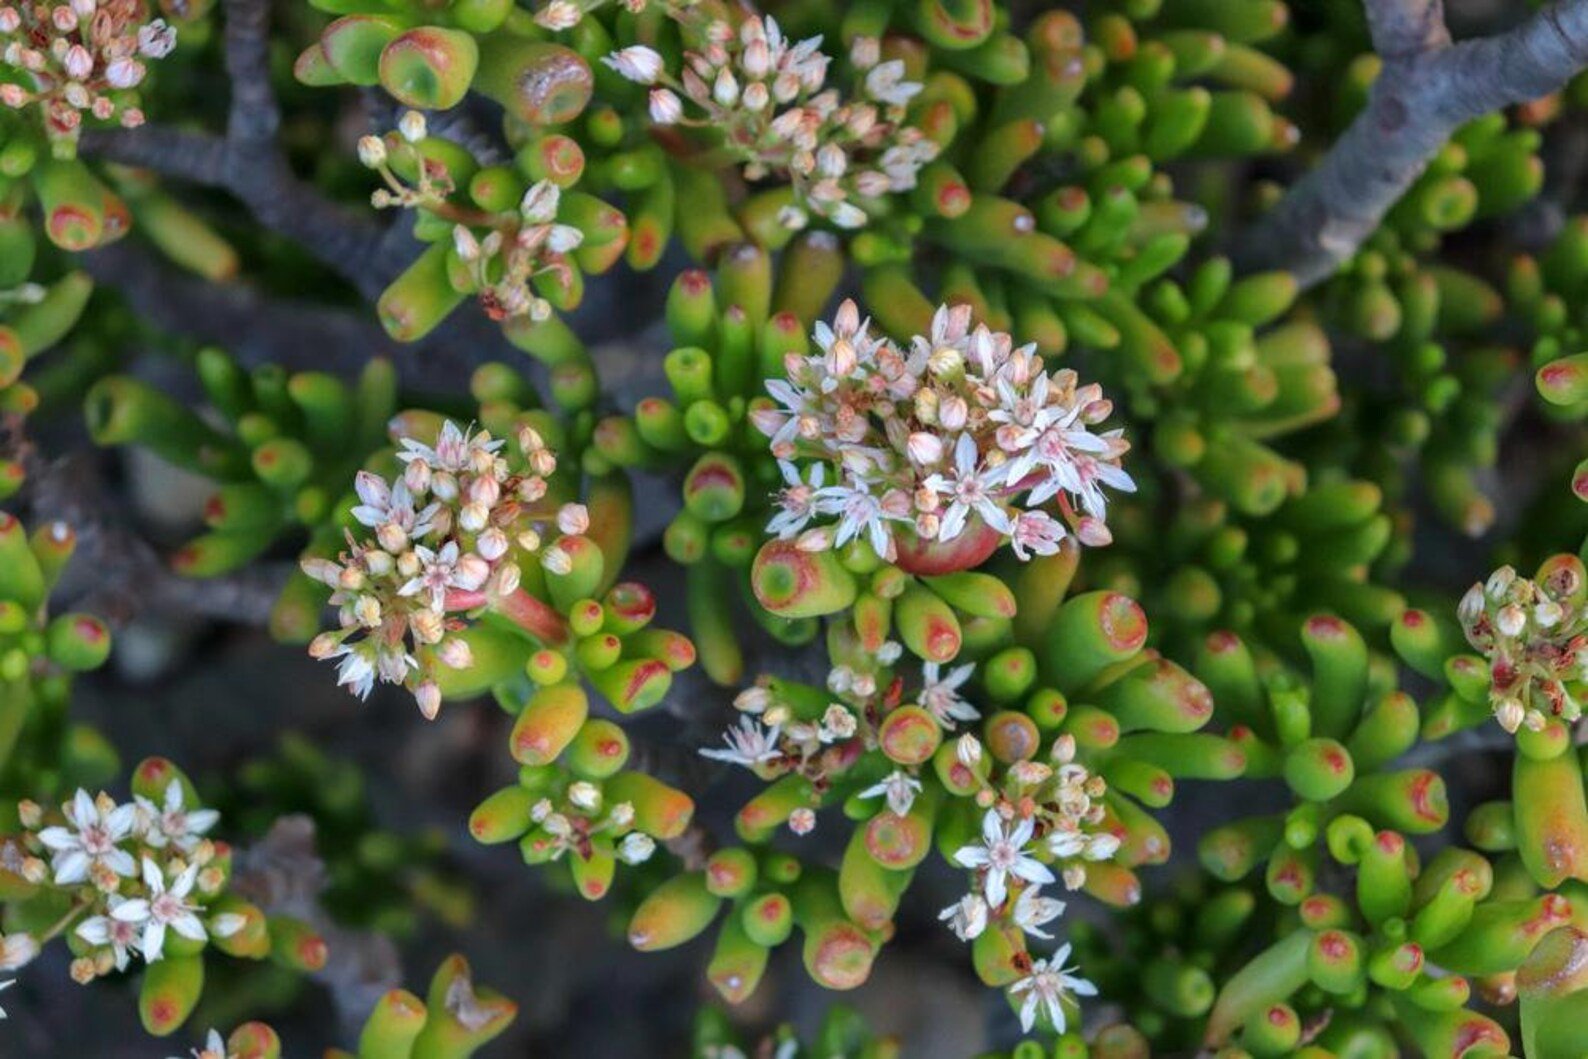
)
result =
(522, 609)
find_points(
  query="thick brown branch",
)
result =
(1420, 98)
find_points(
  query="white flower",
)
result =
(748, 744)
(798, 502)
(1002, 854)
(637, 63)
(356, 671)
(969, 487)
(172, 823)
(456, 449)
(885, 83)
(860, 514)
(940, 694)
(439, 571)
(91, 842)
(1035, 532)
(1046, 986)
(119, 930)
(967, 917)
(1032, 910)
(899, 788)
(214, 1048)
(166, 907)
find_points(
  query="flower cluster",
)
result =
(79, 57)
(782, 734)
(445, 539)
(963, 433)
(769, 98)
(138, 871)
(582, 815)
(1055, 809)
(515, 247)
(1533, 633)
(431, 181)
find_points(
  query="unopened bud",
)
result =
(428, 695)
(412, 126)
(636, 848)
(372, 151)
(456, 654)
(573, 518)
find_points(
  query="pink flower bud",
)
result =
(925, 449)
(665, 106)
(637, 63)
(78, 62)
(456, 654)
(573, 518)
(472, 571)
(428, 695)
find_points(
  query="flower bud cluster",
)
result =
(503, 252)
(79, 57)
(432, 181)
(572, 822)
(960, 429)
(516, 249)
(445, 538)
(1533, 633)
(770, 99)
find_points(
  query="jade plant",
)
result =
(1091, 495)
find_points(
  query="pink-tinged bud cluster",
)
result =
(82, 57)
(444, 539)
(769, 99)
(1533, 633)
(503, 252)
(961, 432)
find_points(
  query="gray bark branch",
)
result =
(130, 576)
(1428, 88)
